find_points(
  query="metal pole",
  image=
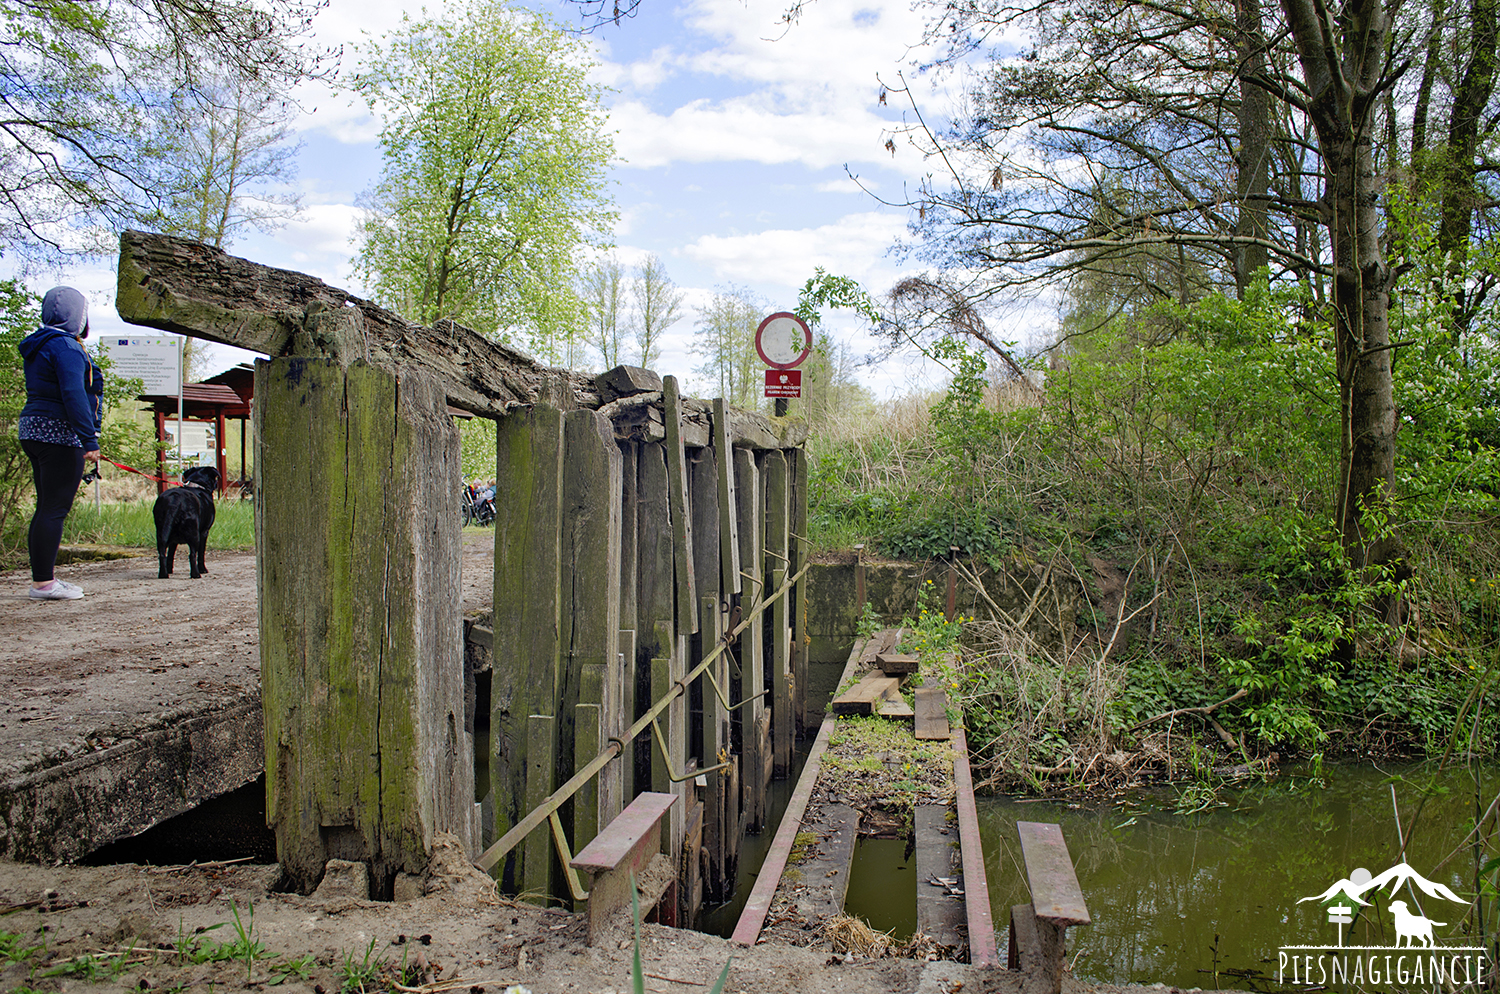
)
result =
(181, 375)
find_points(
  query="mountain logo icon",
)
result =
(1359, 883)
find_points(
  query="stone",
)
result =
(344, 880)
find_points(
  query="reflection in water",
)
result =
(1173, 897)
(883, 886)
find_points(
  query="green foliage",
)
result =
(85, 86)
(476, 446)
(495, 156)
(20, 309)
(1293, 667)
(359, 972)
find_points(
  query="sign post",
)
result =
(783, 342)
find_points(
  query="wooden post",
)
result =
(783, 725)
(590, 616)
(527, 607)
(682, 522)
(536, 877)
(630, 708)
(730, 581)
(713, 749)
(657, 653)
(751, 645)
(797, 460)
(360, 623)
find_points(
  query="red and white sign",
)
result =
(784, 383)
(783, 340)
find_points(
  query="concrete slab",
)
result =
(136, 703)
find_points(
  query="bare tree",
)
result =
(602, 288)
(234, 159)
(658, 306)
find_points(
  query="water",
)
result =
(883, 886)
(1173, 897)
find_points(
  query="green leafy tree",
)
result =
(84, 83)
(495, 157)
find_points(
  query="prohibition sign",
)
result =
(783, 340)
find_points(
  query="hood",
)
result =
(64, 307)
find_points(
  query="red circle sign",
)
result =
(783, 340)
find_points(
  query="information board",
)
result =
(156, 362)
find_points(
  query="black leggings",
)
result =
(56, 470)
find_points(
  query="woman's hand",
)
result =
(92, 457)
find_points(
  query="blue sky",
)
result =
(734, 133)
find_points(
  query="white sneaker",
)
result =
(61, 590)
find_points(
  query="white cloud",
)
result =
(855, 245)
(750, 128)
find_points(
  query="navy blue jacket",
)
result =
(58, 375)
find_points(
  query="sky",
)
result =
(737, 139)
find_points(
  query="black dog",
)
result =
(183, 516)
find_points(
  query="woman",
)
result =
(58, 429)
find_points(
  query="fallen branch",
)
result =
(1203, 711)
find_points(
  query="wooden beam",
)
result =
(797, 471)
(362, 758)
(536, 868)
(783, 722)
(682, 522)
(729, 532)
(189, 288)
(750, 650)
(527, 601)
(590, 582)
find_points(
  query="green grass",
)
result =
(131, 525)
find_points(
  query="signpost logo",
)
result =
(1414, 959)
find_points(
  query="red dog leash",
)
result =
(132, 469)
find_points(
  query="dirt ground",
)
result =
(132, 929)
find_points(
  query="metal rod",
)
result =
(724, 698)
(566, 855)
(666, 758)
(512, 838)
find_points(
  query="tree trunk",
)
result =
(1342, 61)
(1252, 228)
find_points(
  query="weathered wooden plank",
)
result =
(536, 868)
(866, 696)
(894, 707)
(897, 663)
(362, 463)
(783, 722)
(655, 591)
(931, 723)
(590, 582)
(527, 604)
(729, 533)
(619, 856)
(824, 881)
(982, 950)
(713, 747)
(186, 287)
(628, 713)
(588, 743)
(797, 472)
(639, 418)
(1055, 893)
(682, 521)
(750, 514)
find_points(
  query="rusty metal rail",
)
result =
(544, 811)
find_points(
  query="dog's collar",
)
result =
(198, 486)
